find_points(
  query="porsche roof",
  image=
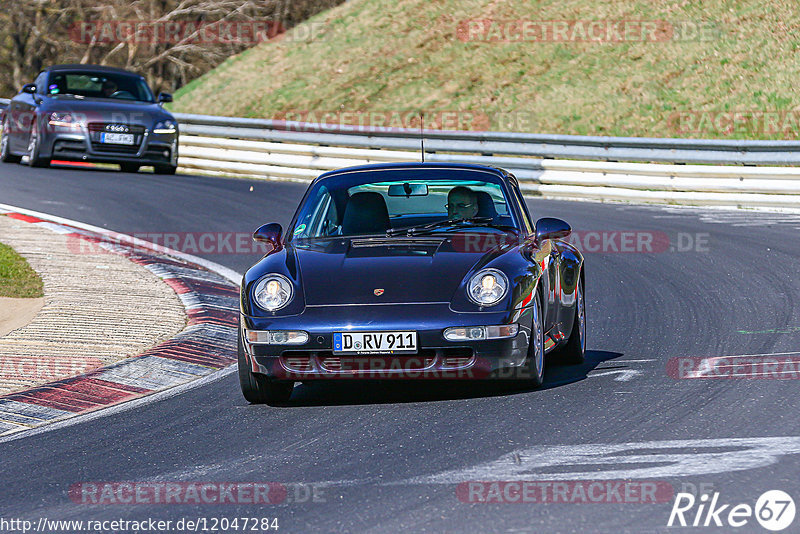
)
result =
(500, 173)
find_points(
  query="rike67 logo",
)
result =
(774, 510)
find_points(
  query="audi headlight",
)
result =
(487, 287)
(165, 127)
(273, 292)
(64, 120)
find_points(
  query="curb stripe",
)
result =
(206, 345)
(32, 411)
(25, 218)
(5, 427)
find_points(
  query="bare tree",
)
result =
(133, 35)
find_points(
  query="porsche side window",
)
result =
(526, 217)
(320, 221)
(327, 223)
(318, 215)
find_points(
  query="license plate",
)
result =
(116, 138)
(375, 343)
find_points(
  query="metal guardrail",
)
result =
(301, 151)
(644, 149)
(554, 166)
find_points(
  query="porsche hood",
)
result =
(383, 271)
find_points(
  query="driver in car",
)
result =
(109, 88)
(462, 203)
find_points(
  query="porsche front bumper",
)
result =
(436, 357)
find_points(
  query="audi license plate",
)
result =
(375, 343)
(116, 138)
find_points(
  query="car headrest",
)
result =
(485, 205)
(365, 213)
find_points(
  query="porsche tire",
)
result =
(574, 352)
(258, 389)
(535, 363)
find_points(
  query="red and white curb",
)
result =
(208, 291)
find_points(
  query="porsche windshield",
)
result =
(379, 207)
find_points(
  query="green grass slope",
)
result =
(17, 279)
(406, 55)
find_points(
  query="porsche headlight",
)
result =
(273, 292)
(165, 127)
(487, 287)
(277, 337)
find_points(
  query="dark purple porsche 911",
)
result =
(410, 271)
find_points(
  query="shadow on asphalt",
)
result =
(360, 392)
(558, 374)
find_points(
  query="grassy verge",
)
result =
(722, 56)
(17, 279)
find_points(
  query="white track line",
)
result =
(766, 354)
(128, 405)
(230, 274)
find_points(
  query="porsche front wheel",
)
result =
(536, 359)
(258, 389)
(574, 352)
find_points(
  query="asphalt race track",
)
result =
(388, 457)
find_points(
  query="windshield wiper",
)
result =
(429, 227)
(413, 230)
(472, 223)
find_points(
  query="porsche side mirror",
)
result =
(163, 98)
(550, 228)
(29, 88)
(269, 233)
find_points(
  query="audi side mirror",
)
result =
(163, 98)
(29, 88)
